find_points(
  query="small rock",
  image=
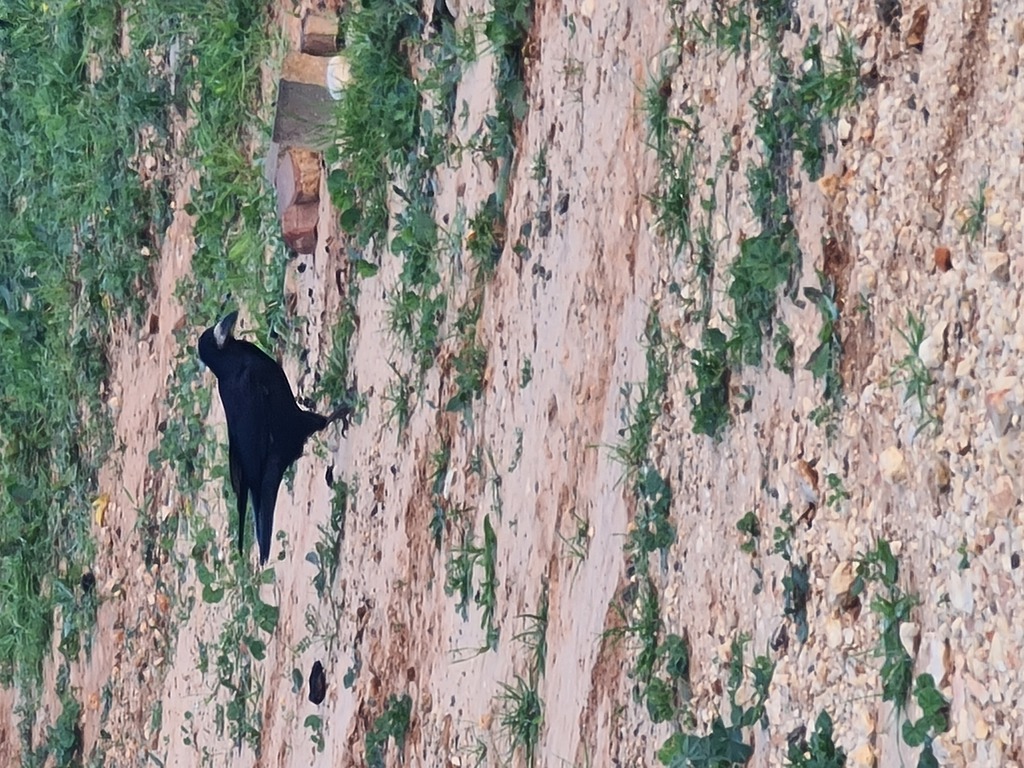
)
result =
(1002, 500)
(910, 635)
(829, 185)
(1000, 406)
(930, 218)
(961, 594)
(892, 465)
(317, 683)
(867, 280)
(807, 481)
(938, 663)
(833, 632)
(997, 265)
(942, 475)
(918, 26)
(943, 259)
(839, 585)
(844, 129)
(863, 757)
(932, 351)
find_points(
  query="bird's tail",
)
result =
(312, 422)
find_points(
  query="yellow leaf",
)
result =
(99, 507)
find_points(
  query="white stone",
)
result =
(892, 465)
(997, 265)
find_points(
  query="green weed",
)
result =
(892, 607)
(974, 213)
(486, 238)
(825, 360)
(459, 579)
(391, 725)
(470, 362)
(709, 397)
(652, 530)
(725, 745)
(819, 751)
(578, 543)
(315, 724)
(835, 492)
(914, 375)
(225, 577)
(934, 720)
(327, 552)
(535, 635)
(521, 718)
(750, 527)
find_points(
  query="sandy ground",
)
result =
(913, 152)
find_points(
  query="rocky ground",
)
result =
(916, 218)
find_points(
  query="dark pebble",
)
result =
(317, 683)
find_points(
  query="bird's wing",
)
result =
(263, 506)
(246, 409)
(241, 489)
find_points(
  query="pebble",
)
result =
(961, 594)
(933, 349)
(892, 465)
(931, 218)
(910, 634)
(997, 265)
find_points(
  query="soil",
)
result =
(940, 118)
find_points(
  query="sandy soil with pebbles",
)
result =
(941, 120)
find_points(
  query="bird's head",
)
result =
(214, 339)
(222, 331)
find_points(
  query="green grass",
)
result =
(486, 238)
(80, 230)
(974, 213)
(378, 119)
(470, 362)
(633, 450)
(577, 544)
(459, 571)
(660, 124)
(75, 219)
(535, 635)
(398, 397)
(640, 621)
(440, 460)
(521, 718)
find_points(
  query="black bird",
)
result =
(266, 428)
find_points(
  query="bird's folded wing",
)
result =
(248, 417)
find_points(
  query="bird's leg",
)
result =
(344, 410)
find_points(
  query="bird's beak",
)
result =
(223, 330)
